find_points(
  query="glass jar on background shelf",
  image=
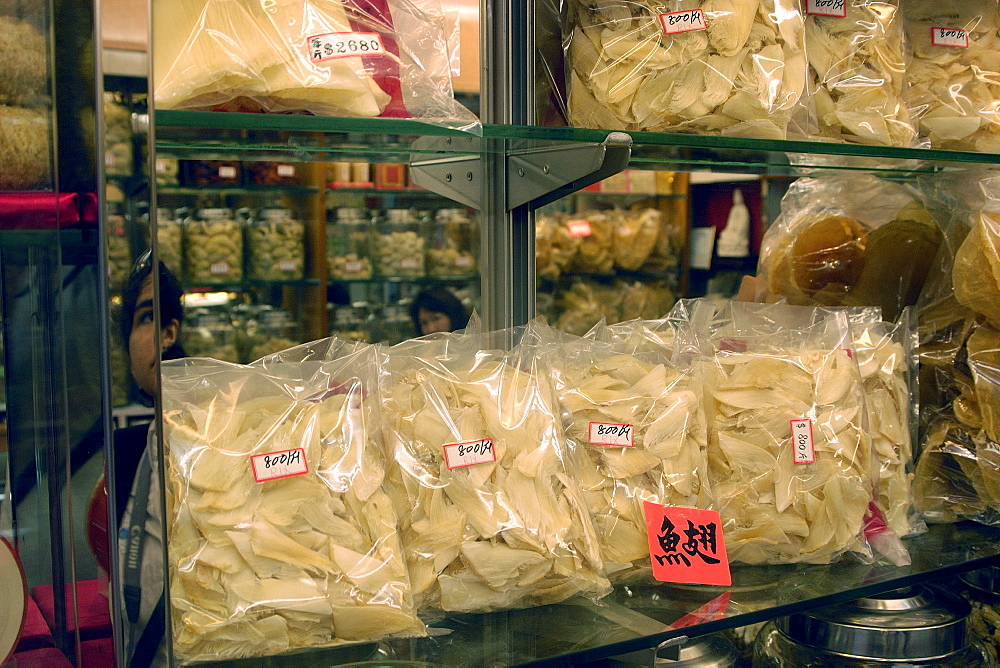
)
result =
(452, 244)
(168, 238)
(275, 244)
(349, 245)
(351, 323)
(119, 255)
(167, 172)
(400, 245)
(213, 247)
(211, 334)
(274, 332)
(396, 324)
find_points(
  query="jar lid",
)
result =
(921, 622)
(984, 579)
(713, 651)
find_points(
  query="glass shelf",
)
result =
(304, 138)
(236, 190)
(635, 618)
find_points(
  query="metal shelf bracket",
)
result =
(542, 175)
(458, 177)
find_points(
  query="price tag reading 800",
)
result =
(803, 448)
(345, 45)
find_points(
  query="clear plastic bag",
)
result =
(954, 73)
(849, 241)
(730, 67)
(957, 475)
(279, 533)
(555, 247)
(366, 58)
(857, 74)
(976, 274)
(636, 427)
(790, 459)
(492, 517)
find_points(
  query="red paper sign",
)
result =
(686, 545)
(579, 228)
(714, 609)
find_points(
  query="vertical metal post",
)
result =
(507, 97)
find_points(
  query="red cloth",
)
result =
(36, 632)
(97, 653)
(38, 211)
(48, 657)
(93, 609)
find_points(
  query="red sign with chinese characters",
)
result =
(686, 545)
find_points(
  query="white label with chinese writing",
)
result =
(287, 265)
(604, 433)
(950, 37)
(344, 45)
(282, 464)
(579, 228)
(408, 263)
(827, 7)
(219, 268)
(227, 172)
(463, 261)
(469, 453)
(286, 170)
(803, 450)
(686, 21)
(161, 166)
(353, 266)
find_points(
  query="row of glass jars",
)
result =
(212, 243)
(401, 243)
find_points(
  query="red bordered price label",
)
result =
(469, 453)
(344, 45)
(803, 449)
(281, 464)
(218, 268)
(606, 433)
(686, 21)
(837, 8)
(950, 37)
(579, 228)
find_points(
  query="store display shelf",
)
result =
(235, 190)
(374, 190)
(278, 136)
(422, 280)
(635, 618)
(242, 286)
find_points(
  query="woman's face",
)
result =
(433, 321)
(142, 349)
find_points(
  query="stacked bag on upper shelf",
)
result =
(881, 72)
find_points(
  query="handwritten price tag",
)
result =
(344, 45)
(286, 170)
(353, 266)
(686, 21)
(604, 433)
(227, 172)
(218, 268)
(469, 453)
(686, 545)
(950, 37)
(281, 464)
(836, 8)
(287, 265)
(804, 451)
(408, 263)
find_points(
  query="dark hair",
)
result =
(439, 300)
(171, 306)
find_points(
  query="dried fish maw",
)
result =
(984, 360)
(827, 251)
(730, 23)
(371, 575)
(267, 541)
(976, 273)
(498, 565)
(988, 458)
(468, 593)
(373, 621)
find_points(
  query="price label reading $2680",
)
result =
(282, 464)
(803, 449)
(686, 21)
(345, 45)
(604, 433)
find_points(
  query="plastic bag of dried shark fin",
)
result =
(492, 516)
(638, 432)
(279, 533)
(730, 67)
(790, 459)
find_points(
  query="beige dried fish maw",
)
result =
(976, 273)
(261, 560)
(774, 510)
(856, 68)
(953, 88)
(503, 530)
(595, 249)
(637, 73)
(984, 360)
(948, 480)
(663, 459)
(635, 237)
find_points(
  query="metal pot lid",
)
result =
(920, 622)
(985, 579)
(703, 652)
